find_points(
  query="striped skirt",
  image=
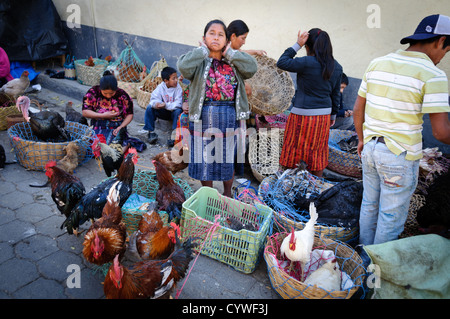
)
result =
(306, 138)
(213, 143)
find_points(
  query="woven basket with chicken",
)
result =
(89, 71)
(334, 270)
(150, 82)
(34, 155)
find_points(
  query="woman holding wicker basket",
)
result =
(316, 101)
(218, 106)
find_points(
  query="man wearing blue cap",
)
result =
(395, 93)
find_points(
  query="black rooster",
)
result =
(91, 205)
(111, 156)
(46, 125)
(74, 116)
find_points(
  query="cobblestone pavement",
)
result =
(36, 256)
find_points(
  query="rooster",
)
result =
(170, 195)
(91, 205)
(150, 278)
(46, 125)
(111, 156)
(106, 237)
(297, 246)
(67, 189)
(74, 116)
(17, 87)
(89, 61)
(172, 160)
(153, 240)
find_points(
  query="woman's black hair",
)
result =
(210, 23)
(237, 27)
(319, 42)
(108, 81)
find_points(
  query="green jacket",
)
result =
(195, 66)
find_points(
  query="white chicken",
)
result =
(297, 246)
(327, 277)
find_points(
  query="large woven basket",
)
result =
(90, 75)
(272, 88)
(143, 97)
(33, 155)
(4, 113)
(340, 161)
(145, 184)
(129, 87)
(290, 288)
(284, 222)
(240, 249)
(264, 152)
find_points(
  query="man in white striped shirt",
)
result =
(395, 93)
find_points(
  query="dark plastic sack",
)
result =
(31, 30)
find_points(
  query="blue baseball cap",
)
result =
(430, 27)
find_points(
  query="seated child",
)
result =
(344, 117)
(165, 103)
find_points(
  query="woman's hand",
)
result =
(116, 131)
(109, 115)
(302, 37)
(225, 49)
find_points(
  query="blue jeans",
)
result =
(151, 114)
(389, 182)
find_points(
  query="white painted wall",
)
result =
(273, 23)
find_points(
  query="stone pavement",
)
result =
(37, 258)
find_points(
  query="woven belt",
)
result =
(380, 139)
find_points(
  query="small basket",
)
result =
(290, 288)
(90, 75)
(143, 97)
(145, 184)
(240, 249)
(33, 155)
(264, 152)
(69, 68)
(272, 88)
(4, 113)
(340, 161)
(14, 119)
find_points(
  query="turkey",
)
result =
(46, 125)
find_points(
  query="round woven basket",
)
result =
(264, 152)
(4, 113)
(33, 155)
(340, 161)
(129, 87)
(272, 88)
(90, 75)
(143, 97)
(145, 184)
(290, 288)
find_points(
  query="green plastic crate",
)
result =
(240, 249)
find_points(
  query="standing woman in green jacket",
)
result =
(218, 106)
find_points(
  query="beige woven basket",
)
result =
(143, 97)
(290, 288)
(129, 87)
(264, 152)
(272, 88)
(4, 113)
(90, 75)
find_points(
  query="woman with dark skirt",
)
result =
(316, 101)
(218, 106)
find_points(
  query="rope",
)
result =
(211, 231)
